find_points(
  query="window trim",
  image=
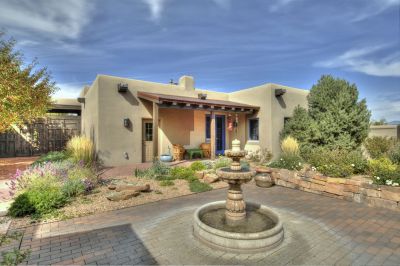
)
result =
(249, 132)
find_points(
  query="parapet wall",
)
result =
(357, 188)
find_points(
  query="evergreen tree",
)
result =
(300, 126)
(336, 118)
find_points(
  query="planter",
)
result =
(263, 177)
(165, 158)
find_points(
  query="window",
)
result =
(148, 131)
(208, 127)
(253, 129)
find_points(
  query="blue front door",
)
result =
(219, 134)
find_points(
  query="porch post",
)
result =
(212, 135)
(155, 130)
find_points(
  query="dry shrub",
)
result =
(81, 149)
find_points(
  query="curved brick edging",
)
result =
(356, 188)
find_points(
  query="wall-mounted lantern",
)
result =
(279, 92)
(122, 87)
(127, 122)
(202, 96)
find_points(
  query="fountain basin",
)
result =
(269, 236)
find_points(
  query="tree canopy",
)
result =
(25, 89)
(335, 118)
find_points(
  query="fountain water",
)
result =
(235, 225)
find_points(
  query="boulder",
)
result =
(199, 174)
(211, 178)
(122, 195)
(145, 188)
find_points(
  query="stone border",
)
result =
(357, 188)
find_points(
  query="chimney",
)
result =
(187, 83)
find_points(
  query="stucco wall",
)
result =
(105, 110)
(272, 112)
(282, 107)
(89, 115)
(391, 131)
(114, 140)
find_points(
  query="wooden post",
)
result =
(155, 130)
(212, 135)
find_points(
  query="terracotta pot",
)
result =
(264, 180)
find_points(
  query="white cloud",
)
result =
(373, 8)
(225, 4)
(56, 19)
(385, 106)
(360, 60)
(69, 90)
(279, 4)
(156, 8)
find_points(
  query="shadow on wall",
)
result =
(130, 98)
(115, 245)
(177, 125)
(281, 102)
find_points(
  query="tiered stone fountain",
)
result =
(234, 225)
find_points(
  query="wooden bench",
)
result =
(192, 152)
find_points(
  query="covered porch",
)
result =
(192, 121)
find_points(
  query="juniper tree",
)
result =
(335, 119)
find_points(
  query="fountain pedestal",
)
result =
(227, 224)
(235, 177)
(235, 205)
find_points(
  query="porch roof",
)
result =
(181, 102)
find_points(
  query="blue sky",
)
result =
(225, 44)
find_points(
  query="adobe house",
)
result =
(133, 121)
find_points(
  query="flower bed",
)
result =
(357, 188)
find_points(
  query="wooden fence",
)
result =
(44, 135)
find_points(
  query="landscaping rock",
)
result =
(123, 195)
(145, 188)
(211, 178)
(112, 187)
(199, 174)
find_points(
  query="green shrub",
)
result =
(53, 156)
(80, 173)
(197, 186)
(221, 162)
(290, 162)
(335, 163)
(157, 169)
(357, 161)
(384, 172)
(394, 154)
(21, 206)
(45, 195)
(14, 257)
(379, 146)
(197, 166)
(180, 172)
(73, 188)
(81, 149)
(261, 156)
(166, 183)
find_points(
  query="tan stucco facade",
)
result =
(390, 131)
(104, 109)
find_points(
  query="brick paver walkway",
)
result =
(318, 230)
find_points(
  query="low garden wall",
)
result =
(357, 188)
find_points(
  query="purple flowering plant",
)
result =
(60, 171)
